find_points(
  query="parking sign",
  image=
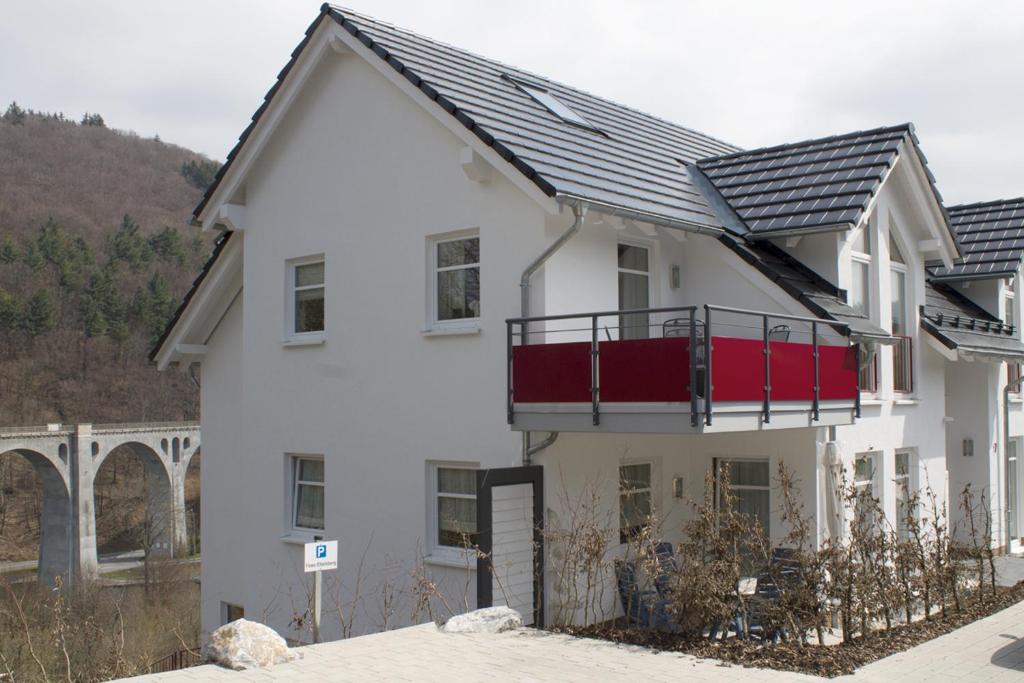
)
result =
(321, 555)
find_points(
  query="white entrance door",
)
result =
(512, 552)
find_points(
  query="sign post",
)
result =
(320, 555)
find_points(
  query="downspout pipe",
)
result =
(1010, 386)
(531, 450)
(579, 210)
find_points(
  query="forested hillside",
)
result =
(95, 254)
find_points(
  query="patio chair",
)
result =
(642, 608)
(680, 327)
(779, 333)
(667, 568)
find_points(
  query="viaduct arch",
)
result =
(66, 460)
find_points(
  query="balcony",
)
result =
(679, 370)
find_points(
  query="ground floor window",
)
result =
(307, 493)
(453, 491)
(750, 484)
(904, 492)
(635, 506)
(864, 505)
(229, 612)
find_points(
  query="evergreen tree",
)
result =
(200, 173)
(128, 245)
(93, 120)
(10, 313)
(14, 115)
(167, 246)
(40, 314)
(31, 257)
(8, 252)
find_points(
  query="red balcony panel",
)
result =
(551, 373)
(645, 370)
(737, 368)
(657, 371)
(838, 372)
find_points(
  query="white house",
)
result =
(411, 329)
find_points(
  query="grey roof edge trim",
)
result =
(981, 205)
(718, 204)
(991, 275)
(643, 216)
(765, 235)
(807, 302)
(906, 127)
(954, 345)
(935, 190)
(222, 242)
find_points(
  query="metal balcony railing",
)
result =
(903, 365)
(686, 354)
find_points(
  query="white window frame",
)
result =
(433, 319)
(910, 481)
(290, 335)
(225, 611)
(293, 483)
(866, 259)
(437, 553)
(718, 461)
(908, 312)
(650, 490)
(1010, 305)
(649, 247)
(877, 490)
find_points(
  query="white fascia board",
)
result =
(319, 44)
(924, 201)
(548, 204)
(206, 308)
(940, 348)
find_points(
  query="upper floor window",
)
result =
(455, 263)
(859, 296)
(634, 290)
(305, 302)
(1013, 370)
(903, 360)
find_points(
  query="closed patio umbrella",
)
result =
(833, 494)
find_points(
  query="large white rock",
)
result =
(245, 644)
(486, 620)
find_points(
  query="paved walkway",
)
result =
(988, 650)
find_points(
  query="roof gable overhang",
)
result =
(217, 286)
(925, 200)
(332, 35)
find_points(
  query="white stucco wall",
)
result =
(361, 174)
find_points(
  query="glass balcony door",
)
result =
(634, 290)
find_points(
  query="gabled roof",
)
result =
(633, 162)
(814, 185)
(960, 324)
(991, 236)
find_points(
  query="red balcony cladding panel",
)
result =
(657, 370)
(551, 373)
(641, 370)
(737, 371)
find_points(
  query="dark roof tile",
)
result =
(991, 236)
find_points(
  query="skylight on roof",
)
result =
(556, 106)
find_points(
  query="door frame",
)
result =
(486, 480)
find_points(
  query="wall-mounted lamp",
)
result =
(968, 448)
(673, 277)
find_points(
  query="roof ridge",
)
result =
(545, 79)
(907, 127)
(990, 202)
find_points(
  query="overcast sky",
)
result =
(752, 73)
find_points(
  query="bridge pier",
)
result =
(83, 502)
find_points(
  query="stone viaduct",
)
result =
(66, 460)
